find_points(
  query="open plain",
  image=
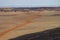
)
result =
(14, 24)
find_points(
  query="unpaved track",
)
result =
(17, 26)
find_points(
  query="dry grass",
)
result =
(42, 22)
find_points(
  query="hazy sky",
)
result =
(29, 3)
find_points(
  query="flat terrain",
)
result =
(26, 22)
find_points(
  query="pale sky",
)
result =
(29, 3)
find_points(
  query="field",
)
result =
(14, 24)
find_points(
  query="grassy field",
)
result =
(27, 22)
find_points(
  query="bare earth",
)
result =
(39, 21)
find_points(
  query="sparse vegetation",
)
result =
(48, 18)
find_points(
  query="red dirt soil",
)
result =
(19, 25)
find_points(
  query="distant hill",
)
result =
(30, 8)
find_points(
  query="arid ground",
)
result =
(14, 24)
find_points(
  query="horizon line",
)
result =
(29, 7)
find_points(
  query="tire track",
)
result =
(19, 25)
